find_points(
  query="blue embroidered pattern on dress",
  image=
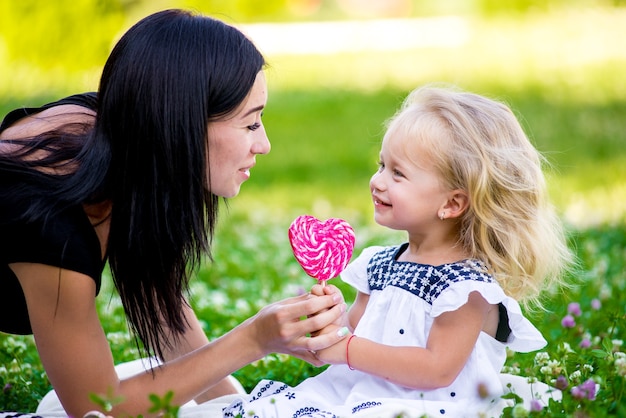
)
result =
(422, 280)
(365, 405)
(270, 385)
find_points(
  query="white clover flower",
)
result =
(519, 411)
(617, 343)
(605, 292)
(14, 366)
(541, 358)
(551, 367)
(17, 346)
(242, 305)
(509, 353)
(132, 352)
(620, 366)
(575, 375)
(511, 370)
(554, 363)
(218, 299)
(118, 338)
(588, 367)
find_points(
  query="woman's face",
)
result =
(235, 141)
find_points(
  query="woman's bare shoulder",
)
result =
(48, 120)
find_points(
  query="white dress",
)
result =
(405, 298)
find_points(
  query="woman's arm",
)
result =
(77, 358)
(450, 343)
(193, 339)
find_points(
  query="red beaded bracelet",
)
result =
(348, 352)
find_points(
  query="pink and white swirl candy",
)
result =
(323, 249)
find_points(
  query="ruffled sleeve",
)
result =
(524, 336)
(355, 273)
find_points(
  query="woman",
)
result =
(133, 177)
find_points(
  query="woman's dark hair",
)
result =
(165, 79)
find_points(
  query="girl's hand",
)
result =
(319, 290)
(336, 353)
(329, 289)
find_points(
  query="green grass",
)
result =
(562, 73)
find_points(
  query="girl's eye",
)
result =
(381, 166)
(254, 126)
(398, 173)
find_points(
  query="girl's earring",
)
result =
(442, 215)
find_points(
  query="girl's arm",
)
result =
(450, 343)
(77, 358)
(357, 309)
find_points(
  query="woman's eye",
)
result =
(254, 126)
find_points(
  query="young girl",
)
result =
(433, 316)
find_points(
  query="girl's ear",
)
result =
(456, 205)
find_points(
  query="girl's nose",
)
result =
(376, 182)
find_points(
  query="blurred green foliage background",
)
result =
(559, 64)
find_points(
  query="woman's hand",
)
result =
(286, 326)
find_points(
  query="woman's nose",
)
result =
(261, 143)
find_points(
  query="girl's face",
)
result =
(235, 141)
(406, 191)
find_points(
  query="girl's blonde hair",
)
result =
(477, 145)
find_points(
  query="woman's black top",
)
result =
(66, 239)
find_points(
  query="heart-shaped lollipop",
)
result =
(323, 249)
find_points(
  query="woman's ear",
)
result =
(456, 205)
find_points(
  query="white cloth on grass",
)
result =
(50, 406)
